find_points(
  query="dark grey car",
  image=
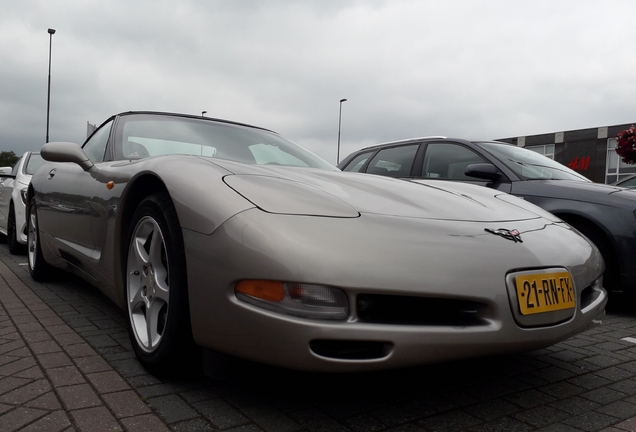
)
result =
(605, 214)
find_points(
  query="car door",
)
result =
(65, 212)
(448, 161)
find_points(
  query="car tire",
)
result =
(12, 236)
(156, 287)
(37, 266)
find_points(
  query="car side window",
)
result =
(448, 161)
(14, 171)
(358, 162)
(33, 164)
(95, 147)
(394, 161)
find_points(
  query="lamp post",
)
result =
(48, 96)
(339, 123)
(203, 113)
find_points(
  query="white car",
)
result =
(13, 185)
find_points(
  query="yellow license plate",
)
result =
(545, 292)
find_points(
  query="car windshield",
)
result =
(529, 164)
(630, 182)
(34, 163)
(153, 135)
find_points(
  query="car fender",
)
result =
(202, 200)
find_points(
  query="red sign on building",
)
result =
(580, 163)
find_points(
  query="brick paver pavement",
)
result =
(66, 364)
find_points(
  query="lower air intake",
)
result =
(351, 350)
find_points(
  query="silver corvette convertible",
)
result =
(226, 236)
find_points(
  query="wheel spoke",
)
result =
(138, 321)
(157, 255)
(162, 292)
(141, 257)
(152, 323)
(135, 289)
(156, 246)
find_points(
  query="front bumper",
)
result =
(378, 255)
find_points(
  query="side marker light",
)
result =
(262, 289)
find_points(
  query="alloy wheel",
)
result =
(148, 290)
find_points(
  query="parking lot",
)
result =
(66, 364)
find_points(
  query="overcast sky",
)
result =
(470, 69)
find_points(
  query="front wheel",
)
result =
(156, 286)
(37, 266)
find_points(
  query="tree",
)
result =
(8, 158)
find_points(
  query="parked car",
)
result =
(13, 185)
(628, 182)
(232, 238)
(605, 214)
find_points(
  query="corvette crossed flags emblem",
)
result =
(513, 235)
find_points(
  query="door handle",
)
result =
(52, 173)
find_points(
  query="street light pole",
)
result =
(339, 123)
(48, 97)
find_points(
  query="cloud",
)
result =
(408, 68)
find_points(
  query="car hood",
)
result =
(312, 191)
(573, 190)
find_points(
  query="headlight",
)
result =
(303, 300)
(281, 196)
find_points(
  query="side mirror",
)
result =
(66, 152)
(5, 171)
(486, 171)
